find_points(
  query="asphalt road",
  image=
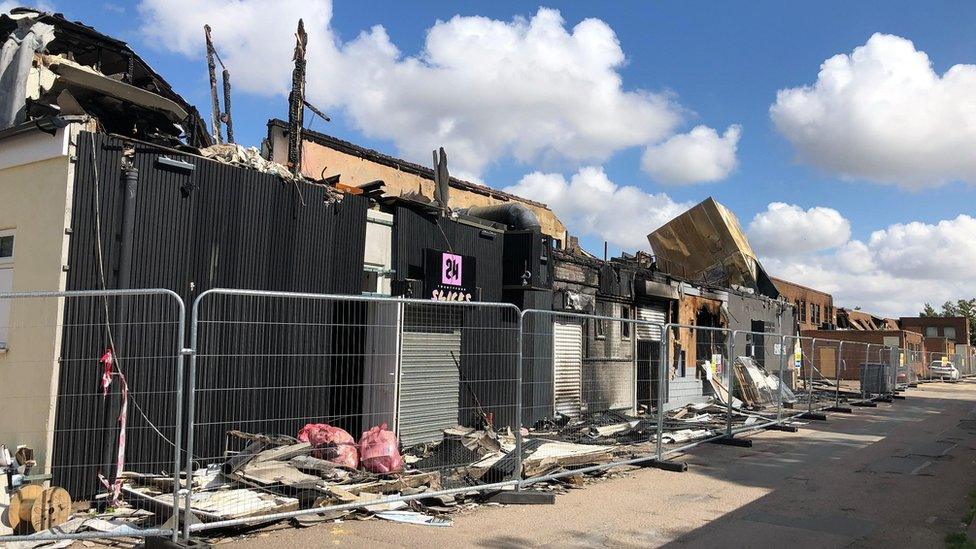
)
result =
(893, 476)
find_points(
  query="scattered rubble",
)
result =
(238, 155)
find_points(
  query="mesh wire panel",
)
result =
(91, 383)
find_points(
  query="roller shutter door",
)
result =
(650, 314)
(567, 367)
(429, 386)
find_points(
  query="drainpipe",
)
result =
(112, 408)
(130, 175)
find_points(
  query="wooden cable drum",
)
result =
(39, 507)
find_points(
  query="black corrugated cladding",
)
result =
(488, 336)
(528, 284)
(214, 226)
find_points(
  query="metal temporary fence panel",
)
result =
(273, 367)
(429, 385)
(650, 313)
(92, 382)
(567, 367)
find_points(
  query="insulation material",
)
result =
(16, 58)
(707, 242)
(751, 383)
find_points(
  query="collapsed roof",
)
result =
(50, 66)
(707, 243)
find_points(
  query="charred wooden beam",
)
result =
(214, 100)
(296, 102)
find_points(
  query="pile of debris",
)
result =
(237, 155)
(53, 68)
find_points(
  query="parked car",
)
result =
(944, 371)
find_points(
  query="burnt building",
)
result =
(722, 285)
(324, 156)
(456, 364)
(109, 183)
(854, 319)
(593, 358)
(814, 309)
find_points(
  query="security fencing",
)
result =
(283, 384)
(92, 392)
(966, 362)
(311, 404)
(589, 381)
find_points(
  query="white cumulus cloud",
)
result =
(531, 88)
(784, 230)
(882, 114)
(591, 204)
(699, 156)
(894, 272)
(943, 251)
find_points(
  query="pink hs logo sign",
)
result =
(450, 269)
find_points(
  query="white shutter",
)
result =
(429, 386)
(650, 314)
(567, 367)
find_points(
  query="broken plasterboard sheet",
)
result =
(413, 517)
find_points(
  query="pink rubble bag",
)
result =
(331, 444)
(379, 451)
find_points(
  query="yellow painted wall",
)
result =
(34, 202)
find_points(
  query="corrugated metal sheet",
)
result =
(567, 367)
(215, 226)
(414, 232)
(429, 385)
(650, 314)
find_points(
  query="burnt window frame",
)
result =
(625, 324)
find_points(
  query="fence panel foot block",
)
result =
(781, 427)
(522, 497)
(673, 466)
(731, 441)
(166, 543)
(815, 416)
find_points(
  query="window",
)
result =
(949, 332)
(6, 282)
(803, 311)
(6, 246)
(625, 325)
(601, 324)
(371, 282)
(931, 331)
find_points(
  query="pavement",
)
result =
(897, 475)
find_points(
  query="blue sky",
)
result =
(722, 63)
